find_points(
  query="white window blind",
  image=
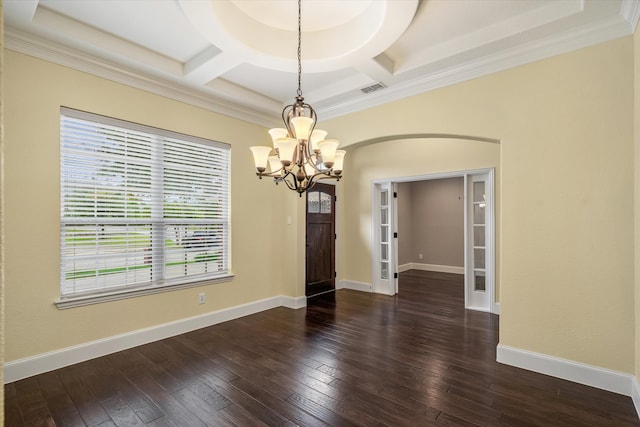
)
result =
(140, 207)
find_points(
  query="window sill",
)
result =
(80, 301)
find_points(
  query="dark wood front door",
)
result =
(320, 253)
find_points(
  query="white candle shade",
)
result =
(274, 164)
(277, 133)
(339, 161)
(328, 151)
(260, 155)
(302, 127)
(316, 136)
(286, 147)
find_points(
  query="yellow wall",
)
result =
(33, 98)
(566, 187)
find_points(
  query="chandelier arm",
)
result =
(310, 158)
(275, 174)
(288, 184)
(312, 182)
(310, 152)
(318, 170)
(292, 177)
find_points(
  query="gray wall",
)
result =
(431, 222)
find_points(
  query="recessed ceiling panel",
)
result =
(363, 30)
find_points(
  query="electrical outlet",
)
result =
(201, 298)
(419, 256)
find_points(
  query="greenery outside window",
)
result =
(141, 208)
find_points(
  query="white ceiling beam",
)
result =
(106, 44)
(208, 65)
(233, 92)
(379, 69)
(351, 83)
(22, 10)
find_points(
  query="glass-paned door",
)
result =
(479, 263)
(383, 271)
(384, 234)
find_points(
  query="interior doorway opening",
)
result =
(458, 238)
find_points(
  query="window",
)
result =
(141, 208)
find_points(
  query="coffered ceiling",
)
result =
(238, 57)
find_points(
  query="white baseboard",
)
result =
(29, 366)
(635, 395)
(433, 267)
(294, 303)
(356, 286)
(594, 376)
(404, 267)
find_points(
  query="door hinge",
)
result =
(395, 235)
(335, 236)
(395, 275)
(335, 274)
(335, 199)
(395, 194)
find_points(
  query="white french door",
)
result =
(385, 264)
(479, 242)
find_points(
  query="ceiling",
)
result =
(238, 57)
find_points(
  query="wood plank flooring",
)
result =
(348, 359)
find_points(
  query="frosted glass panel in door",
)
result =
(478, 192)
(478, 235)
(478, 258)
(384, 216)
(479, 281)
(384, 234)
(313, 202)
(384, 270)
(325, 203)
(478, 213)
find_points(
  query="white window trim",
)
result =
(100, 296)
(134, 293)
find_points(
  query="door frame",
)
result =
(390, 287)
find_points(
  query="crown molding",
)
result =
(630, 12)
(421, 81)
(41, 48)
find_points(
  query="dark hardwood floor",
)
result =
(348, 359)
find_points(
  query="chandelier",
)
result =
(303, 155)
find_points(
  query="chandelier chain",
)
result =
(299, 47)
